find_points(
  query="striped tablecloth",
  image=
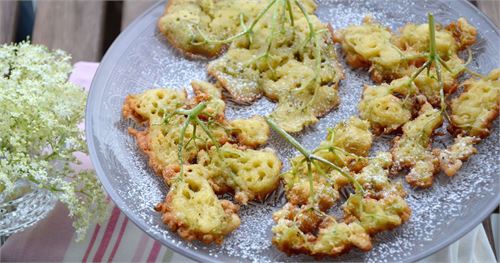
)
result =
(119, 240)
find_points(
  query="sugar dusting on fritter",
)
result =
(149, 62)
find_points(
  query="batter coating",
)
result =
(304, 227)
(392, 56)
(412, 149)
(193, 210)
(344, 146)
(477, 107)
(452, 158)
(186, 22)
(302, 230)
(385, 106)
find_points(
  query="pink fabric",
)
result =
(119, 240)
(154, 252)
(139, 251)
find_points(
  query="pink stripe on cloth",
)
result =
(118, 240)
(110, 229)
(155, 250)
(139, 251)
(91, 243)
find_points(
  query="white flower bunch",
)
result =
(39, 114)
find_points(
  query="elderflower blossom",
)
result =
(39, 114)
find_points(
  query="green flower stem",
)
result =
(247, 31)
(193, 118)
(290, 12)
(309, 157)
(309, 23)
(357, 186)
(432, 36)
(437, 61)
(289, 138)
(207, 132)
(192, 115)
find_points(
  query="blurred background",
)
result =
(83, 28)
(86, 28)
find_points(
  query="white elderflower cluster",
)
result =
(39, 114)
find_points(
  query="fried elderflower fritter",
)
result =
(451, 158)
(383, 106)
(383, 207)
(279, 49)
(477, 107)
(412, 149)
(376, 215)
(183, 138)
(374, 177)
(390, 56)
(295, 65)
(450, 40)
(193, 210)
(160, 140)
(302, 226)
(345, 145)
(185, 23)
(251, 132)
(303, 230)
(249, 173)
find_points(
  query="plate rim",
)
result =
(104, 70)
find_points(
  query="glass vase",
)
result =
(23, 207)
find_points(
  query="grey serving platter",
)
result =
(141, 59)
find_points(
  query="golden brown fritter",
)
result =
(343, 146)
(477, 107)
(392, 56)
(298, 189)
(192, 209)
(383, 107)
(295, 65)
(412, 149)
(383, 206)
(451, 158)
(450, 40)
(186, 22)
(251, 174)
(301, 230)
(428, 85)
(374, 177)
(251, 132)
(347, 143)
(311, 188)
(160, 140)
(301, 74)
(376, 215)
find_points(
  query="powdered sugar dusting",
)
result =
(142, 59)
